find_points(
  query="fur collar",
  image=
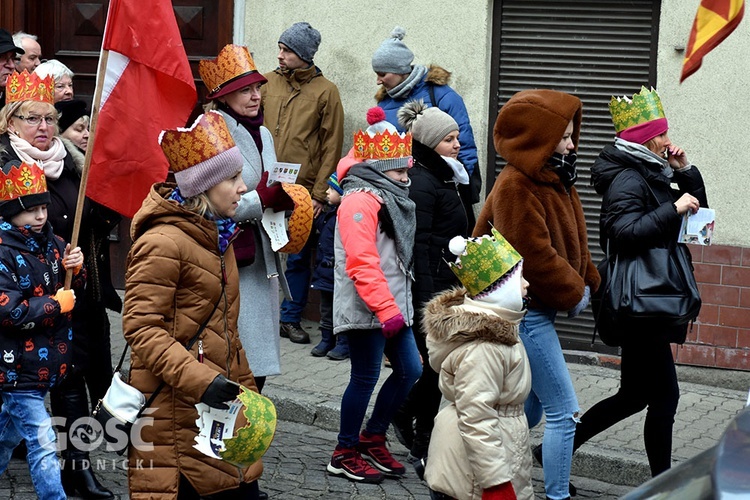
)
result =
(76, 154)
(435, 75)
(444, 322)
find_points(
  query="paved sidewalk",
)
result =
(309, 391)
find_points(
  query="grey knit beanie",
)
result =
(428, 125)
(393, 56)
(302, 39)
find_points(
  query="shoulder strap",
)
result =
(431, 91)
(188, 347)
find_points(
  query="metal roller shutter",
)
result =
(592, 49)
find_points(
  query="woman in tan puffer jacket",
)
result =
(181, 253)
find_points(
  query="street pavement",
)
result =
(308, 395)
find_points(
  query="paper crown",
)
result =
(382, 146)
(301, 221)
(233, 65)
(251, 442)
(22, 180)
(206, 138)
(645, 106)
(483, 261)
(27, 86)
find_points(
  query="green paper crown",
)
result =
(252, 441)
(644, 107)
(484, 261)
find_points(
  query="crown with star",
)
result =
(25, 86)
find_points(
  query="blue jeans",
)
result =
(552, 392)
(366, 349)
(24, 417)
(298, 277)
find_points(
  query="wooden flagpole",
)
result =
(100, 74)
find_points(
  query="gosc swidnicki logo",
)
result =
(87, 434)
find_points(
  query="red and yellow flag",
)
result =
(715, 20)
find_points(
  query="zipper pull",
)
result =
(223, 271)
(200, 351)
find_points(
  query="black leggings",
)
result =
(647, 379)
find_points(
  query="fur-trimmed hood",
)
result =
(76, 154)
(447, 325)
(435, 75)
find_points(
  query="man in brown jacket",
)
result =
(303, 111)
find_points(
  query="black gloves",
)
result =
(219, 392)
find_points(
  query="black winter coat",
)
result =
(325, 225)
(35, 337)
(630, 217)
(440, 216)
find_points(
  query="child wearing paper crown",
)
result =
(480, 443)
(372, 302)
(335, 347)
(35, 314)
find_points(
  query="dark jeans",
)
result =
(298, 273)
(326, 310)
(366, 348)
(647, 379)
(246, 491)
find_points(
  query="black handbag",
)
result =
(651, 289)
(122, 405)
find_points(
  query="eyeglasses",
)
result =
(34, 120)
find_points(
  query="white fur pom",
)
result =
(457, 245)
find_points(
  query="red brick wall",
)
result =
(721, 336)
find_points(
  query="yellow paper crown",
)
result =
(232, 62)
(29, 87)
(207, 138)
(644, 107)
(22, 180)
(382, 146)
(484, 261)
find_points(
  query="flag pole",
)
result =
(100, 74)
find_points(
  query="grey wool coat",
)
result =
(260, 281)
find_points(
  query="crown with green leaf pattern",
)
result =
(484, 261)
(644, 107)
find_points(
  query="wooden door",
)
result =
(71, 31)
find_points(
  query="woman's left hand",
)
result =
(677, 157)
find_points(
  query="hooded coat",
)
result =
(532, 208)
(173, 281)
(482, 435)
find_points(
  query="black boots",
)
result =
(294, 332)
(78, 478)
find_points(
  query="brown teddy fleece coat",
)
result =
(531, 207)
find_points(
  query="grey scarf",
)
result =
(403, 89)
(395, 195)
(640, 151)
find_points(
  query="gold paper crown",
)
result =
(484, 261)
(382, 146)
(232, 62)
(29, 87)
(22, 180)
(644, 107)
(186, 147)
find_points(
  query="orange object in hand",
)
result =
(66, 298)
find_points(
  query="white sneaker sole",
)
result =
(343, 472)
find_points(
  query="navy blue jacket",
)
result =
(325, 225)
(35, 337)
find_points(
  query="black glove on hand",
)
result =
(273, 196)
(219, 391)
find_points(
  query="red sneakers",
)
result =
(349, 463)
(372, 446)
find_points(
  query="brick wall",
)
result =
(721, 336)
